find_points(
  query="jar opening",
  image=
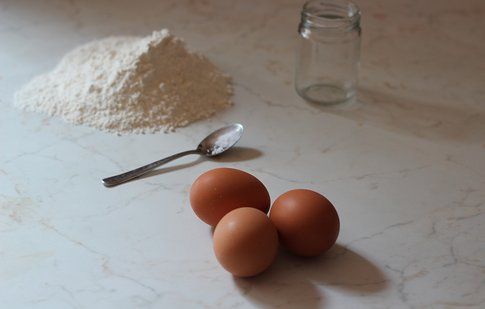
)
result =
(330, 14)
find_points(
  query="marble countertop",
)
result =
(404, 165)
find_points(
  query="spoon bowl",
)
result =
(221, 140)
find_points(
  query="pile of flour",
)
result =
(130, 85)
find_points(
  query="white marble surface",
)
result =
(405, 165)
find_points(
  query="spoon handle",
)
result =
(121, 178)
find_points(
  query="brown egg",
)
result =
(218, 191)
(307, 222)
(245, 242)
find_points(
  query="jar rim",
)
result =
(331, 13)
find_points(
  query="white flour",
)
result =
(130, 85)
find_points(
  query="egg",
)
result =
(216, 192)
(307, 222)
(245, 242)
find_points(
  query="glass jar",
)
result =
(329, 51)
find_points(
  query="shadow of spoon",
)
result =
(235, 154)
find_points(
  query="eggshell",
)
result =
(218, 191)
(307, 222)
(245, 242)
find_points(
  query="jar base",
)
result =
(326, 94)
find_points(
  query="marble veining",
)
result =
(404, 164)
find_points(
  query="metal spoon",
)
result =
(214, 144)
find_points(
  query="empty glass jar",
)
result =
(329, 51)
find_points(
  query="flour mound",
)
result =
(130, 85)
